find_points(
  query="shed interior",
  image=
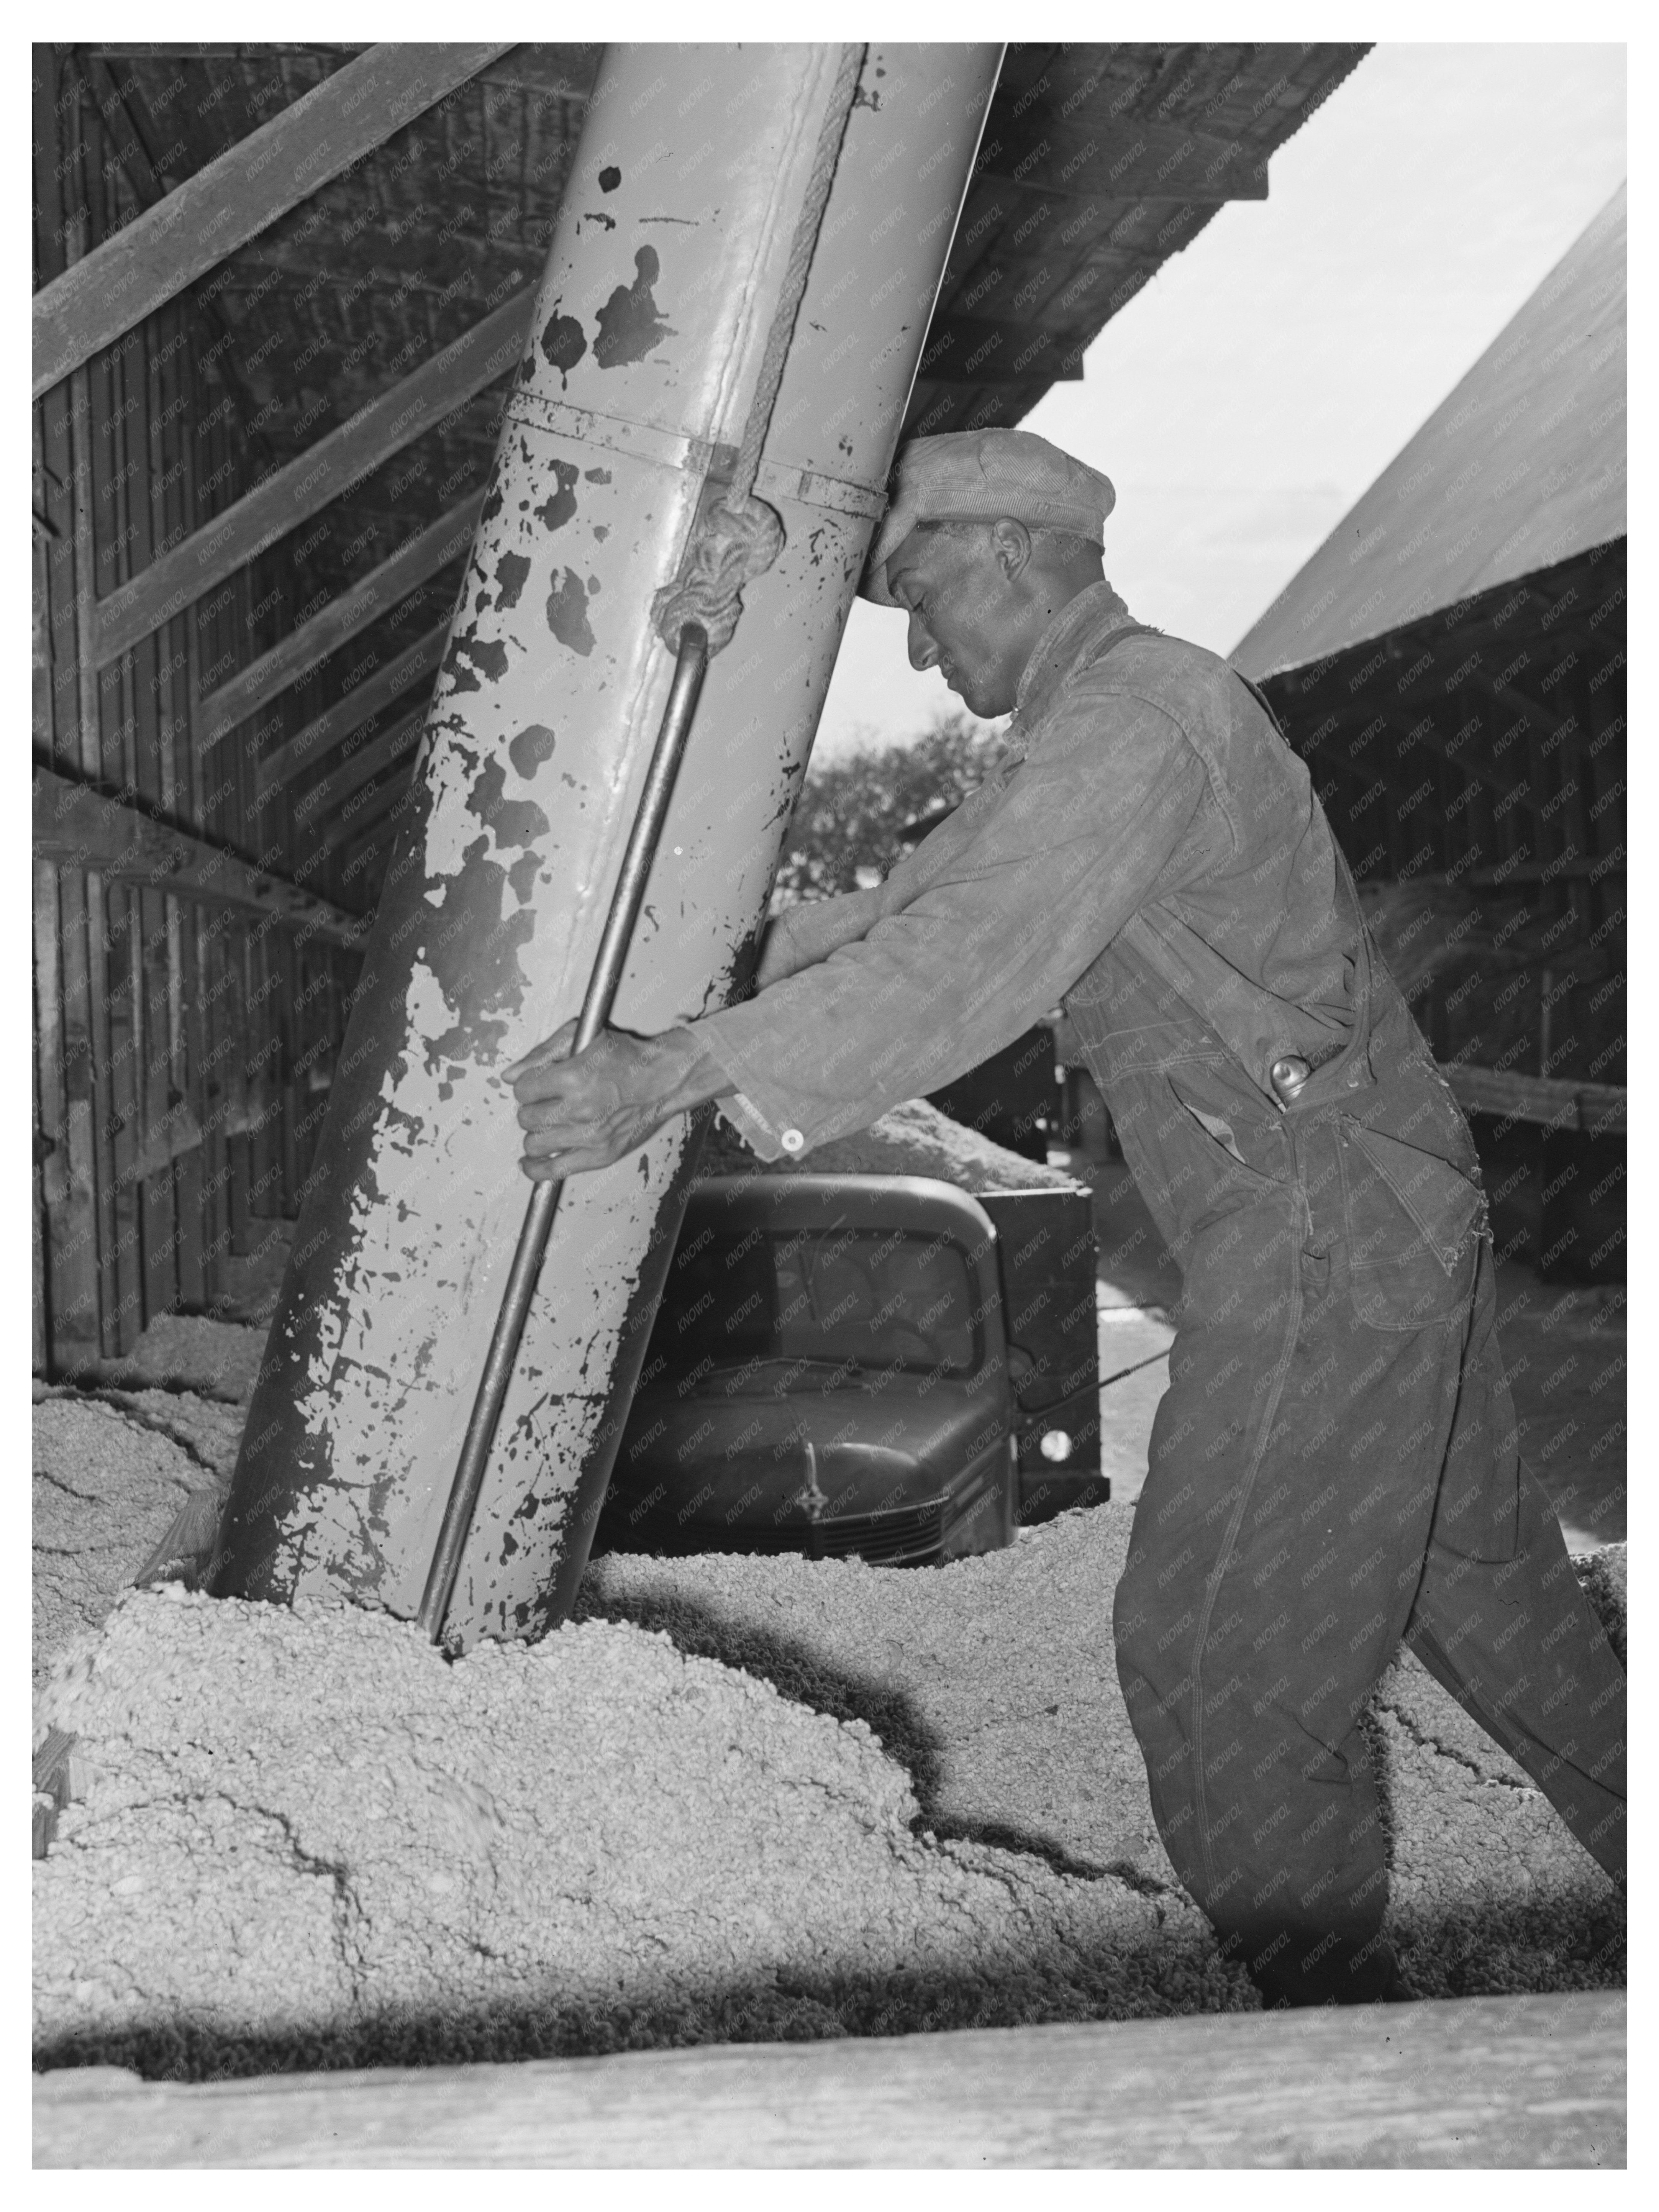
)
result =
(253, 498)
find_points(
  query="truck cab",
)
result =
(830, 1372)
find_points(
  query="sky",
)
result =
(1246, 397)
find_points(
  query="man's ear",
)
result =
(1011, 544)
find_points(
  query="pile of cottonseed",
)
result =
(896, 1802)
(734, 1799)
(304, 1838)
(113, 1476)
(994, 1681)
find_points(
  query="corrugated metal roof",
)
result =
(1521, 465)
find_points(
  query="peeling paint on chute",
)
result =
(563, 343)
(411, 1214)
(630, 323)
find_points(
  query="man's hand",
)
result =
(586, 1113)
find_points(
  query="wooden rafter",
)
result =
(363, 861)
(1555, 1101)
(318, 477)
(77, 826)
(391, 749)
(1079, 157)
(334, 724)
(973, 349)
(210, 49)
(350, 826)
(111, 99)
(238, 195)
(366, 864)
(416, 561)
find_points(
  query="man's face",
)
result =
(964, 620)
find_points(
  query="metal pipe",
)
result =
(602, 987)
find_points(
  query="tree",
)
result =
(852, 814)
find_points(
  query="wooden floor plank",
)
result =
(1478, 2081)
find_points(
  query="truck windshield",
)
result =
(807, 1299)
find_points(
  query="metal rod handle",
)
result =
(602, 986)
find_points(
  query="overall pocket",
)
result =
(1413, 1223)
(1219, 1119)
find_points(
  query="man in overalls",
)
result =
(1334, 1464)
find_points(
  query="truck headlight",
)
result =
(1056, 1444)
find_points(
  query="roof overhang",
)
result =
(1521, 466)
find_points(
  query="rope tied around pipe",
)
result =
(741, 536)
(731, 547)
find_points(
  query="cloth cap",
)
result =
(978, 476)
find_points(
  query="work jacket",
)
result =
(1152, 855)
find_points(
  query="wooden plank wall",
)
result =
(1480, 755)
(181, 1052)
(1473, 764)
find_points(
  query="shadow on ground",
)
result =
(1570, 1937)
(797, 1672)
(1491, 1949)
(1154, 1979)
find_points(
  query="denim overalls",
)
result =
(1334, 1467)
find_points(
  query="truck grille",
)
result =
(908, 1535)
(909, 1532)
(895, 1536)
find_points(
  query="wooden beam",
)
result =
(79, 827)
(1531, 876)
(325, 730)
(238, 195)
(363, 864)
(155, 50)
(113, 102)
(211, 990)
(364, 867)
(363, 860)
(1084, 157)
(174, 1135)
(389, 748)
(975, 350)
(92, 957)
(1518, 2082)
(73, 1220)
(318, 477)
(361, 813)
(1557, 1103)
(539, 69)
(415, 561)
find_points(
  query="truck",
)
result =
(872, 1366)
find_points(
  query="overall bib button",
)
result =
(1288, 1075)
